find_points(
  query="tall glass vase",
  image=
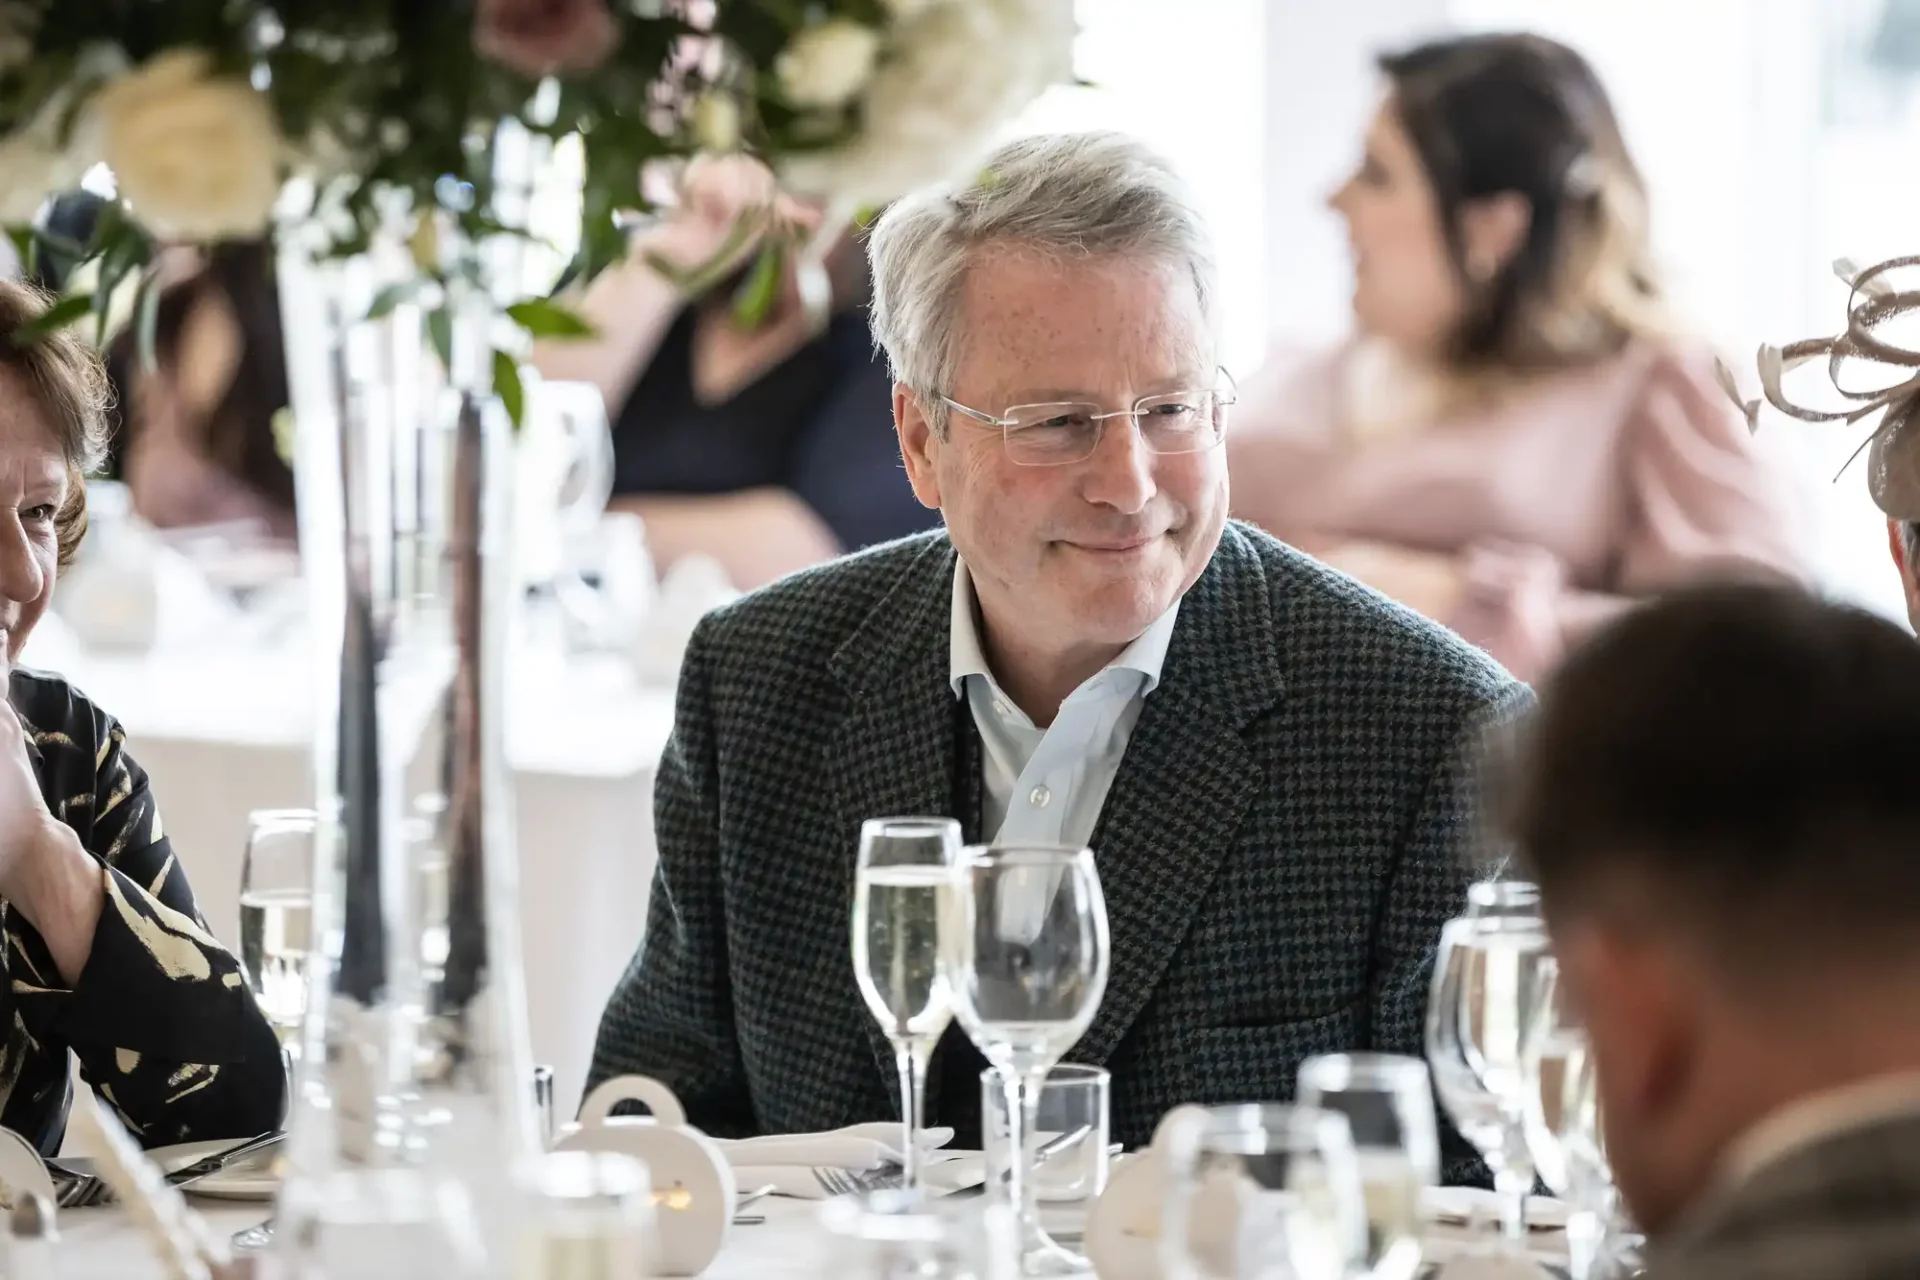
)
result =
(412, 1103)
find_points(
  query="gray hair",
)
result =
(1059, 195)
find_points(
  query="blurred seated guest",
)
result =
(768, 447)
(1515, 442)
(108, 958)
(195, 439)
(1717, 800)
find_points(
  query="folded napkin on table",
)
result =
(786, 1161)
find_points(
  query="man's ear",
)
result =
(920, 445)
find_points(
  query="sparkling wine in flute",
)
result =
(896, 948)
(276, 938)
(1390, 1184)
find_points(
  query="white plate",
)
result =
(252, 1178)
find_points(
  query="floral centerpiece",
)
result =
(204, 109)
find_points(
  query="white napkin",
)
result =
(786, 1161)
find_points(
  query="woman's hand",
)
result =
(1428, 582)
(24, 819)
(44, 872)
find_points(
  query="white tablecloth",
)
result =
(99, 1244)
(222, 727)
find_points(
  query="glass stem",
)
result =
(1513, 1180)
(1023, 1119)
(910, 1057)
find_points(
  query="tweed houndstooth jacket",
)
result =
(1285, 836)
(1844, 1208)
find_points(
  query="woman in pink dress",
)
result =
(1516, 442)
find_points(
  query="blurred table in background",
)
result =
(219, 713)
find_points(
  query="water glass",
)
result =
(1388, 1103)
(897, 1235)
(1262, 1192)
(1072, 1113)
(903, 889)
(591, 1217)
(1027, 967)
(276, 916)
(1485, 985)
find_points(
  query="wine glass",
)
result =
(276, 916)
(1564, 1133)
(1028, 966)
(1388, 1102)
(1485, 983)
(901, 886)
(1261, 1192)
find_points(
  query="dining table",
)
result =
(789, 1244)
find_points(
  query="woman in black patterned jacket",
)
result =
(105, 954)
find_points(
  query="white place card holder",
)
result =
(1123, 1228)
(693, 1186)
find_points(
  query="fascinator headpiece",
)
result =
(1869, 372)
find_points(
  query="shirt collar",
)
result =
(968, 657)
(1813, 1119)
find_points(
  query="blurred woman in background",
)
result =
(769, 447)
(1516, 441)
(194, 439)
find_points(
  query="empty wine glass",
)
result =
(1388, 1103)
(901, 890)
(1564, 1133)
(276, 916)
(1028, 967)
(1484, 984)
(1262, 1192)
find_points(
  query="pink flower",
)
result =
(542, 37)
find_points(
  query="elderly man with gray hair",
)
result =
(1267, 759)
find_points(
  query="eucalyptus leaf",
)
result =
(57, 316)
(544, 318)
(507, 385)
(440, 335)
(753, 301)
(392, 296)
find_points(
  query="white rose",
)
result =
(716, 122)
(197, 156)
(827, 65)
(35, 162)
(955, 76)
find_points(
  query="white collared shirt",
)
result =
(1047, 786)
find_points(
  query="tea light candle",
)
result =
(591, 1218)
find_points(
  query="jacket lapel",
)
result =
(893, 753)
(1184, 784)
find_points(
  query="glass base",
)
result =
(1043, 1257)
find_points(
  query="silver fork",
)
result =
(844, 1182)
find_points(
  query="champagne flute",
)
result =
(1261, 1192)
(1028, 966)
(904, 878)
(276, 917)
(1518, 899)
(1485, 983)
(1388, 1103)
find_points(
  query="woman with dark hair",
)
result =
(1517, 440)
(194, 441)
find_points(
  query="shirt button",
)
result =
(1039, 796)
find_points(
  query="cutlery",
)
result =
(1041, 1154)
